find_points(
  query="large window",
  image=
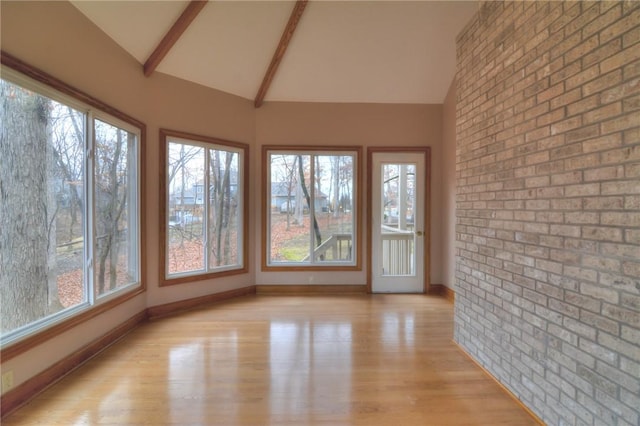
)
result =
(69, 210)
(205, 207)
(311, 208)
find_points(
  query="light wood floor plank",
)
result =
(284, 360)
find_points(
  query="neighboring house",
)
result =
(185, 200)
(194, 197)
(280, 193)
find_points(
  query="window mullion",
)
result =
(89, 210)
(206, 199)
(311, 191)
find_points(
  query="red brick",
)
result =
(602, 113)
(590, 11)
(566, 98)
(604, 173)
(631, 104)
(584, 104)
(622, 26)
(603, 82)
(570, 11)
(582, 133)
(617, 124)
(595, 57)
(566, 125)
(551, 92)
(581, 162)
(631, 38)
(621, 187)
(631, 136)
(603, 21)
(602, 143)
(624, 90)
(629, 219)
(622, 155)
(565, 72)
(621, 59)
(582, 77)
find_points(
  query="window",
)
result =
(69, 216)
(311, 208)
(205, 207)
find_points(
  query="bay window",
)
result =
(69, 209)
(205, 207)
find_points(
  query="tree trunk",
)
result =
(335, 180)
(110, 213)
(305, 191)
(24, 245)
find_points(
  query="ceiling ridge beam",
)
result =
(296, 13)
(179, 27)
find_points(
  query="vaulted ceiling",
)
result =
(340, 51)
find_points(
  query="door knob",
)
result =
(419, 233)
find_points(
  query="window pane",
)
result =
(41, 212)
(115, 203)
(185, 231)
(334, 207)
(205, 206)
(224, 211)
(311, 214)
(289, 213)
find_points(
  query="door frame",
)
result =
(427, 210)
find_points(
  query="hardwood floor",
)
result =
(285, 360)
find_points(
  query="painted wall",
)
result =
(366, 125)
(58, 39)
(449, 188)
(548, 205)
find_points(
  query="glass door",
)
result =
(398, 236)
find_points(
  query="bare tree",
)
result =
(305, 191)
(111, 200)
(26, 240)
(221, 205)
(287, 164)
(68, 144)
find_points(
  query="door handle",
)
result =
(419, 233)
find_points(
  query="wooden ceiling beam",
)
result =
(296, 13)
(182, 23)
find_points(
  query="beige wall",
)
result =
(449, 188)
(366, 125)
(58, 39)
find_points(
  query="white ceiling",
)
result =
(342, 51)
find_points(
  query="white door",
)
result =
(398, 222)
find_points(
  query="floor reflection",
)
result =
(398, 330)
(310, 367)
(365, 360)
(215, 358)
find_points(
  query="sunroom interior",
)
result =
(554, 285)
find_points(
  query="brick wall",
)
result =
(548, 205)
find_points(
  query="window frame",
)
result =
(356, 265)
(19, 72)
(244, 164)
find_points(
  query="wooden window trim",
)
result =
(29, 342)
(265, 267)
(164, 281)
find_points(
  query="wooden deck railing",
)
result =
(337, 247)
(397, 251)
